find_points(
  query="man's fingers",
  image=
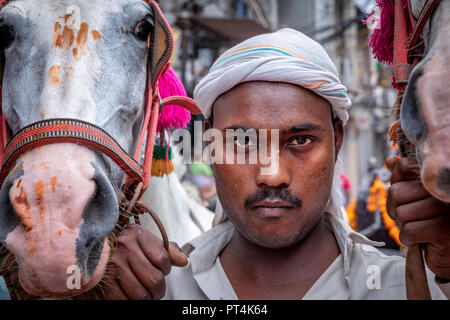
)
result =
(405, 169)
(407, 191)
(130, 285)
(178, 258)
(154, 250)
(391, 162)
(425, 231)
(113, 291)
(402, 193)
(150, 277)
(414, 211)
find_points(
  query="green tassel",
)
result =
(160, 165)
(160, 152)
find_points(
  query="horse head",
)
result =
(85, 60)
(425, 110)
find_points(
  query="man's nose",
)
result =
(279, 178)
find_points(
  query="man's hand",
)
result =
(139, 264)
(420, 217)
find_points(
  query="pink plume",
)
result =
(172, 117)
(382, 40)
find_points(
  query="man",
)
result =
(285, 237)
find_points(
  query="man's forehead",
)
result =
(270, 105)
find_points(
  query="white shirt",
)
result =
(360, 272)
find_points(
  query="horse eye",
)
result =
(143, 29)
(6, 37)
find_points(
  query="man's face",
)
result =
(278, 210)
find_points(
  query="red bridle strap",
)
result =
(67, 131)
(413, 45)
(402, 69)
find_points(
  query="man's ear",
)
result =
(207, 125)
(338, 136)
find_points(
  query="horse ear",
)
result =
(161, 45)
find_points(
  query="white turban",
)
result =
(282, 56)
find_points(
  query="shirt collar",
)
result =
(204, 250)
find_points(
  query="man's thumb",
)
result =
(178, 258)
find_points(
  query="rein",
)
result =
(406, 57)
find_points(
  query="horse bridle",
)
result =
(53, 131)
(408, 50)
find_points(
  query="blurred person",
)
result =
(200, 176)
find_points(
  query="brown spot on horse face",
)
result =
(63, 40)
(96, 35)
(21, 201)
(66, 17)
(57, 28)
(82, 36)
(22, 198)
(53, 183)
(75, 54)
(39, 190)
(53, 73)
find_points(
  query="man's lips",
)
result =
(272, 208)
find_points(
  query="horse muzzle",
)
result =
(434, 97)
(435, 153)
(58, 210)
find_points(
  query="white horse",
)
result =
(85, 60)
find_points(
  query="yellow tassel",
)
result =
(159, 167)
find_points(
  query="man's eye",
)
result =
(301, 141)
(245, 142)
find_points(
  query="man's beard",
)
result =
(270, 240)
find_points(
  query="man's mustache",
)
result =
(269, 193)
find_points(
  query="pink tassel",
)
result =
(382, 40)
(172, 117)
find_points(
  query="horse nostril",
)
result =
(443, 180)
(88, 242)
(9, 220)
(99, 218)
